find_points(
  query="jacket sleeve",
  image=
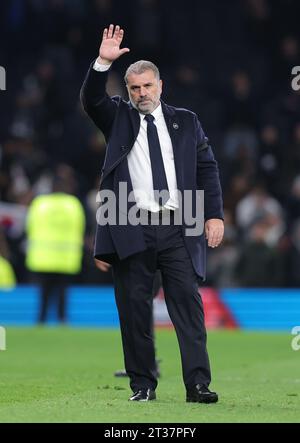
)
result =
(208, 178)
(100, 107)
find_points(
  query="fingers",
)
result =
(113, 32)
(124, 50)
(103, 266)
(214, 231)
(214, 239)
(119, 33)
(111, 42)
(110, 31)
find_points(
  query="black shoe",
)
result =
(123, 373)
(201, 394)
(143, 395)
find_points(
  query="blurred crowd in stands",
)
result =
(230, 61)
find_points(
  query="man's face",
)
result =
(144, 91)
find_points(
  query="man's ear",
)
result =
(161, 85)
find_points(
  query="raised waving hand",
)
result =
(110, 46)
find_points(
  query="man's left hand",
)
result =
(214, 231)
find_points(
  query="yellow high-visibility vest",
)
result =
(55, 232)
(7, 275)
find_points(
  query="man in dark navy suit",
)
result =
(160, 155)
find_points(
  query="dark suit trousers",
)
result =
(133, 278)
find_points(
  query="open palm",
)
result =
(110, 46)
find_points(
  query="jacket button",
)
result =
(123, 148)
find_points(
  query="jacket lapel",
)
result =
(174, 127)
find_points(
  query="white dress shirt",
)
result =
(139, 162)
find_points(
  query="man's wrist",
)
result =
(101, 67)
(102, 61)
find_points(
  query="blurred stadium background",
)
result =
(230, 62)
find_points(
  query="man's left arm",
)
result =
(208, 180)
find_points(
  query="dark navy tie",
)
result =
(157, 165)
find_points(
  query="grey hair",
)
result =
(140, 67)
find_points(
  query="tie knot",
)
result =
(149, 118)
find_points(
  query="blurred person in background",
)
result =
(260, 263)
(293, 202)
(271, 159)
(7, 274)
(221, 262)
(257, 202)
(241, 116)
(293, 257)
(293, 157)
(55, 232)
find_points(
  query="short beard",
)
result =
(140, 110)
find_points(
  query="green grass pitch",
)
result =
(66, 375)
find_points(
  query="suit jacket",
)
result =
(195, 165)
